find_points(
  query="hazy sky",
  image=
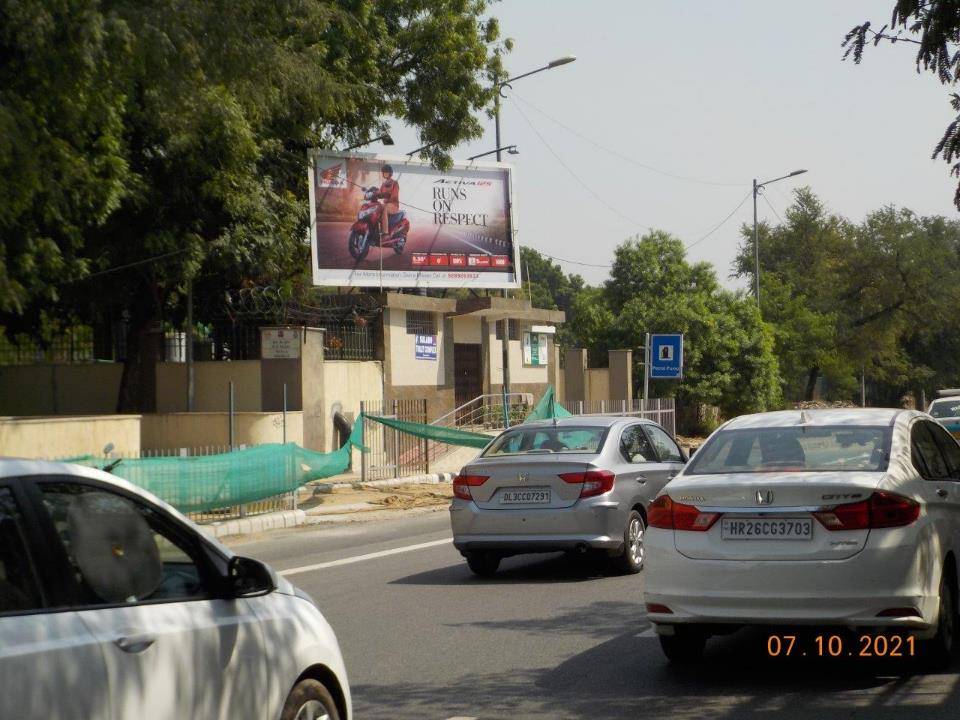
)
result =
(717, 91)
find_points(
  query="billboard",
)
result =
(383, 221)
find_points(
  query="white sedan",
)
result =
(115, 606)
(842, 518)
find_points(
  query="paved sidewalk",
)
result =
(341, 502)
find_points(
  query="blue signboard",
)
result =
(666, 356)
(425, 347)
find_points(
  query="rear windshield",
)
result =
(525, 441)
(794, 449)
(945, 409)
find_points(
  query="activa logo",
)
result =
(842, 496)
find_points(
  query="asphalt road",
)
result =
(547, 638)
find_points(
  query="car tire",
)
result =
(685, 646)
(309, 700)
(630, 561)
(483, 563)
(939, 650)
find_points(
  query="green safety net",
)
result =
(448, 435)
(209, 482)
(548, 408)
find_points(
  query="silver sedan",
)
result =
(576, 484)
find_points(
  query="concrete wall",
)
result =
(170, 431)
(59, 437)
(346, 383)
(59, 389)
(597, 383)
(519, 373)
(621, 375)
(467, 330)
(211, 380)
(405, 369)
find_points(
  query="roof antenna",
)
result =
(804, 418)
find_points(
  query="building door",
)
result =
(468, 372)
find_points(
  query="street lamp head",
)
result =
(512, 150)
(387, 139)
(561, 61)
(796, 172)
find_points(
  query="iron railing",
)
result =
(392, 453)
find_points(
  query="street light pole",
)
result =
(756, 248)
(498, 87)
(757, 187)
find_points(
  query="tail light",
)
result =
(658, 608)
(595, 482)
(880, 510)
(665, 513)
(463, 483)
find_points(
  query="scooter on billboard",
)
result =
(365, 232)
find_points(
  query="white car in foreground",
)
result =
(114, 606)
(834, 518)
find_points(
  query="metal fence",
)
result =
(662, 411)
(393, 453)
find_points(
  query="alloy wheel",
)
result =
(312, 710)
(635, 540)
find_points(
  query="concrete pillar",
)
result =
(621, 375)
(575, 374)
(279, 365)
(315, 421)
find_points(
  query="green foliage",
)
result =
(844, 299)
(729, 358)
(145, 129)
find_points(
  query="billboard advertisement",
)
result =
(382, 221)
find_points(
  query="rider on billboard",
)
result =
(390, 194)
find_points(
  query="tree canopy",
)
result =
(176, 144)
(844, 299)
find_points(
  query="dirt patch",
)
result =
(692, 441)
(397, 496)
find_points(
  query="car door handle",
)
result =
(135, 643)
(942, 492)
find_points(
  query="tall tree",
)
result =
(728, 352)
(933, 27)
(191, 130)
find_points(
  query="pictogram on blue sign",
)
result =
(666, 356)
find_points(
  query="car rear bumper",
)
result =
(598, 524)
(848, 592)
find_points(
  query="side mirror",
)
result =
(247, 577)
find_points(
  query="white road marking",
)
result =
(361, 558)
(461, 717)
(649, 632)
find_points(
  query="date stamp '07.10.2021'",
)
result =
(842, 646)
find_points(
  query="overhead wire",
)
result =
(770, 205)
(596, 196)
(721, 223)
(617, 153)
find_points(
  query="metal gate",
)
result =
(393, 453)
